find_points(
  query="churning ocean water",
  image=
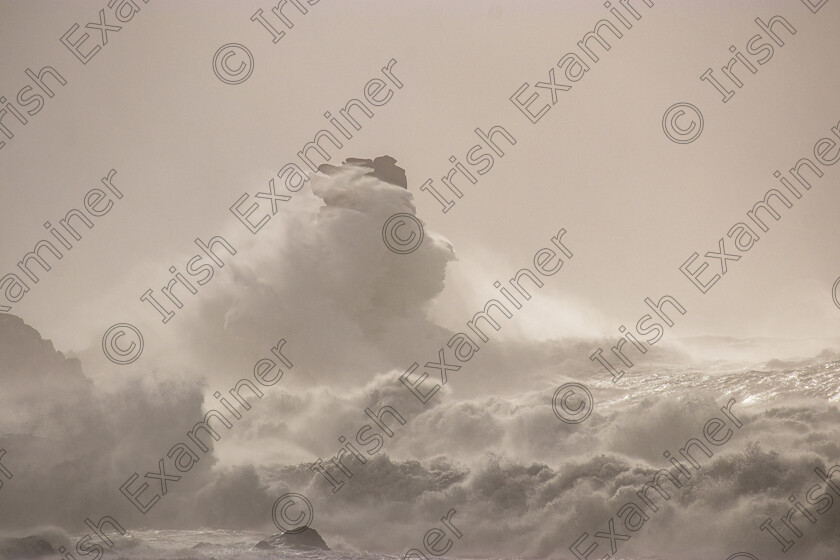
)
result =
(788, 407)
(218, 544)
(788, 424)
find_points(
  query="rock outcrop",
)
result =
(308, 539)
(25, 548)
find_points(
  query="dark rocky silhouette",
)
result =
(383, 168)
(25, 548)
(308, 539)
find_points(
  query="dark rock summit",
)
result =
(308, 539)
(383, 168)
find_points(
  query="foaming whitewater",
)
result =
(488, 447)
(523, 484)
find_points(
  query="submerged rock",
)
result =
(308, 539)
